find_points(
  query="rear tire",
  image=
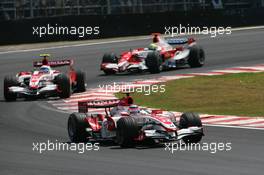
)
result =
(196, 57)
(76, 128)
(127, 130)
(64, 86)
(8, 82)
(154, 62)
(109, 58)
(80, 79)
(189, 119)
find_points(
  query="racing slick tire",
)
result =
(154, 62)
(127, 130)
(196, 57)
(64, 86)
(80, 81)
(189, 119)
(109, 72)
(8, 82)
(76, 128)
(109, 58)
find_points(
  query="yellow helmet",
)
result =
(44, 55)
(153, 46)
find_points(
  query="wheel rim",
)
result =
(160, 65)
(160, 68)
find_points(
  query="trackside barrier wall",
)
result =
(21, 31)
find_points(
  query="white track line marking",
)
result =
(236, 127)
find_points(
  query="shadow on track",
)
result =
(143, 72)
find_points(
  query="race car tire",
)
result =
(189, 119)
(154, 62)
(64, 86)
(76, 128)
(8, 82)
(110, 58)
(196, 57)
(80, 81)
(109, 72)
(127, 130)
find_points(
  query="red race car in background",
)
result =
(127, 124)
(44, 81)
(162, 54)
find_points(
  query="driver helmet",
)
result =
(133, 109)
(153, 46)
(44, 69)
(155, 38)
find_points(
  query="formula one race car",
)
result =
(44, 81)
(127, 124)
(160, 55)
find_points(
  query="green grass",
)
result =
(232, 94)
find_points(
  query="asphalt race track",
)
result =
(25, 122)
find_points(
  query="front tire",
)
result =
(8, 82)
(189, 119)
(196, 57)
(76, 128)
(127, 130)
(109, 72)
(80, 81)
(64, 86)
(154, 62)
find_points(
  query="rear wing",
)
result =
(83, 106)
(176, 41)
(54, 63)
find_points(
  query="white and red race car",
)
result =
(44, 81)
(127, 124)
(162, 54)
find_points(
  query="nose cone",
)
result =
(33, 86)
